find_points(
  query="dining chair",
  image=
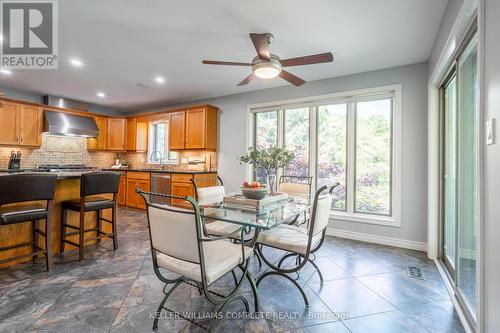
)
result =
(298, 242)
(179, 245)
(213, 195)
(297, 186)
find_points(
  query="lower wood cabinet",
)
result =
(122, 191)
(137, 180)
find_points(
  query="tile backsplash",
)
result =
(73, 150)
(58, 150)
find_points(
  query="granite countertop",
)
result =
(60, 174)
(160, 170)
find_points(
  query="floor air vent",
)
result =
(415, 272)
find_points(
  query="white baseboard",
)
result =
(403, 243)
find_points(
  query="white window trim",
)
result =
(166, 160)
(395, 219)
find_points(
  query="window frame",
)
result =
(153, 140)
(350, 98)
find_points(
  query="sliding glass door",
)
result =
(459, 155)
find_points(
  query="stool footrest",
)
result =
(16, 246)
(106, 220)
(40, 232)
(23, 256)
(88, 239)
(70, 226)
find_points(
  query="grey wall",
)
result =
(491, 94)
(233, 129)
(38, 98)
(449, 18)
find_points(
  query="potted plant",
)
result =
(270, 160)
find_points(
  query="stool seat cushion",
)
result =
(94, 203)
(22, 213)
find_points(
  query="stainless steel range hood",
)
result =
(60, 123)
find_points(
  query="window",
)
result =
(349, 139)
(158, 144)
(373, 157)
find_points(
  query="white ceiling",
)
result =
(123, 42)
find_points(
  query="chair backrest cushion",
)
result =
(296, 189)
(100, 182)
(322, 214)
(27, 187)
(210, 195)
(174, 232)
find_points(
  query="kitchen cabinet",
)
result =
(9, 118)
(135, 180)
(122, 190)
(182, 185)
(137, 135)
(30, 125)
(21, 124)
(116, 134)
(100, 142)
(194, 128)
(176, 130)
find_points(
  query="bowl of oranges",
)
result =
(255, 191)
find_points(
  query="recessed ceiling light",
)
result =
(101, 94)
(5, 71)
(159, 80)
(76, 62)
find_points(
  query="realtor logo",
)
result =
(29, 34)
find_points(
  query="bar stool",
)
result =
(91, 184)
(19, 189)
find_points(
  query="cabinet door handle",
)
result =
(21, 138)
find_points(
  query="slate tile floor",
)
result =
(365, 290)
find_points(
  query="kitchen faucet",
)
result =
(153, 155)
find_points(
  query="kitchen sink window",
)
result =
(351, 138)
(158, 144)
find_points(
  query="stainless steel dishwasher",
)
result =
(160, 183)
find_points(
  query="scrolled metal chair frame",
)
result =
(213, 297)
(303, 258)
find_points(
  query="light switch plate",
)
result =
(490, 131)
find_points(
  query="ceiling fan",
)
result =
(267, 65)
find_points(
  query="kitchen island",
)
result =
(67, 188)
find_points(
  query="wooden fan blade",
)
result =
(261, 45)
(307, 60)
(296, 81)
(247, 79)
(229, 63)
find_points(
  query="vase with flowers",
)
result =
(270, 160)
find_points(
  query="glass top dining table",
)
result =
(264, 218)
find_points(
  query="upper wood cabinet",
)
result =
(99, 143)
(30, 125)
(9, 118)
(194, 128)
(21, 124)
(137, 135)
(116, 134)
(177, 130)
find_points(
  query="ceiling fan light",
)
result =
(267, 72)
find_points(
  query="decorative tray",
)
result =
(238, 200)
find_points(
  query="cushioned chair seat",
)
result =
(289, 238)
(22, 213)
(94, 203)
(221, 257)
(221, 228)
